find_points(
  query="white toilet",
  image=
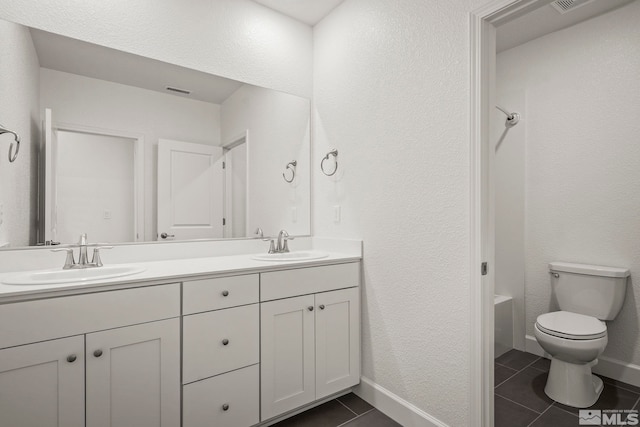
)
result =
(575, 336)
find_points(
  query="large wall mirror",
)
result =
(130, 149)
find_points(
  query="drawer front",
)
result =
(214, 294)
(41, 320)
(302, 281)
(228, 400)
(204, 335)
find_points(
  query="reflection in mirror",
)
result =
(130, 149)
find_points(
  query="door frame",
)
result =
(138, 168)
(231, 143)
(483, 23)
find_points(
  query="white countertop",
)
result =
(165, 271)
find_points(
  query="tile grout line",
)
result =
(538, 417)
(520, 404)
(499, 384)
(563, 409)
(351, 410)
(353, 419)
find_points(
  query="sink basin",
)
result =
(291, 256)
(51, 277)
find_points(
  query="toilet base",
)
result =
(573, 384)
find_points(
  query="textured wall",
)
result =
(19, 112)
(391, 94)
(581, 97)
(238, 39)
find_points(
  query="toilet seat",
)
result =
(572, 326)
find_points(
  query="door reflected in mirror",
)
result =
(131, 149)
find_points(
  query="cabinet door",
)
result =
(287, 355)
(42, 384)
(337, 341)
(133, 376)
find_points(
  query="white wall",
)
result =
(510, 204)
(238, 39)
(100, 104)
(18, 112)
(391, 92)
(95, 174)
(279, 132)
(579, 94)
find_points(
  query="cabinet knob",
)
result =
(225, 407)
(72, 358)
(97, 353)
(310, 308)
(225, 293)
(321, 307)
(225, 341)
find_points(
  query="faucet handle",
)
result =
(70, 260)
(83, 239)
(96, 255)
(272, 246)
(259, 233)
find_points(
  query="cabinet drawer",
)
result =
(204, 402)
(41, 320)
(302, 281)
(205, 353)
(214, 294)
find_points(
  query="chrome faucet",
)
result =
(283, 238)
(83, 259)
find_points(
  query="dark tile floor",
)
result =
(520, 400)
(345, 411)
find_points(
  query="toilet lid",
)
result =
(571, 325)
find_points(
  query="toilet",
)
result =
(575, 336)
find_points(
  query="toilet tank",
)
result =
(589, 289)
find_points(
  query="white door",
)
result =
(190, 191)
(133, 376)
(48, 185)
(337, 341)
(42, 384)
(287, 355)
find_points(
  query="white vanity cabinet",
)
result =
(310, 344)
(131, 369)
(221, 352)
(42, 384)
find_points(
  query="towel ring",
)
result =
(291, 166)
(12, 155)
(333, 153)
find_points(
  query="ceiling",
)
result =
(86, 59)
(546, 19)
(308, 11)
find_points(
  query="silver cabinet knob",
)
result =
(225, 293)
(310, 308)
(97, 353)
(225, 341)
(72, 358)
(225, 407)
(321, 307)
(166, 235)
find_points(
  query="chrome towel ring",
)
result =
(333, 153)
(13, 155)
(291, 166)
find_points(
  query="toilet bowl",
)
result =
(576, 335)
(574, 342)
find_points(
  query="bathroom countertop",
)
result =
(159, 272)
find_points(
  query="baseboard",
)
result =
(607, 366)
(393, 406)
